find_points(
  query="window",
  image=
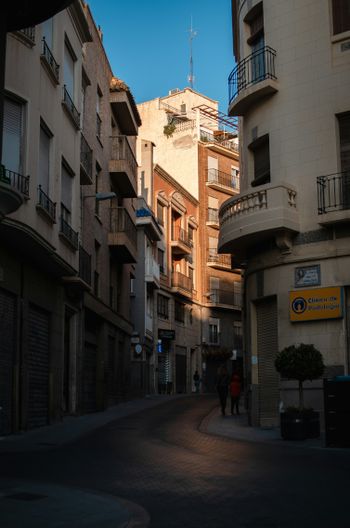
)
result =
(341, 16)
(66, 194)
(261, 152)
(214, 331)
(163, 306)
(44, 158)
(161, 255)
(235, 177)
(47, 32)
(149, 303)
(183, 108)
(160, 213)
(13, 137)
(68, 69)
(191, 276)
(191, 235)
(97, 188)
(179, 312)
(213, 165)
(344, 141)
(97, 268)
(237, 337)
(98, 112)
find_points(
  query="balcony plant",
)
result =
(169, 129)
(300, 362)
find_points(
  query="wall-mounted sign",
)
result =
(307, 276)
(166, 334)
(138, 348)
(318, 303)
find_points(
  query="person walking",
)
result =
(235, 391)
(222, 383)
(196, 380)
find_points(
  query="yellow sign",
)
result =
(318, 303)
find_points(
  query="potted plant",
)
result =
(300, 362)
(169, 129)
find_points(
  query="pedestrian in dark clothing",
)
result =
(235, 391)
(196, 380)
(222, 383)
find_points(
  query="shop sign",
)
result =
(317, 303)
(307, 276)
(166, 334)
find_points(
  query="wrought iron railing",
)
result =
(214, 257)
(84, 265)
(180, 235)
(258, 66)
(121, 222)
(86, 156)
(17, 181)
(69, 233)
(71, 108)
(179, 280)
(28, 33)
(98, 126)
(333, 192)
(121, 150)
(223, 179)
(50, 60)
(45, 203)
(213, 215)
(219, 140)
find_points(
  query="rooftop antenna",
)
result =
(193, 34)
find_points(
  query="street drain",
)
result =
(25, 496)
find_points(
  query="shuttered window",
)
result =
(341, 16)
(66, 194)
(68, 70)
(12, 150)
(344, 138)
(261, 152)
(47, 32)
(44, 159)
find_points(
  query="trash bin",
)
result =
(337, 411)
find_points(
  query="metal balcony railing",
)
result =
(84, 265)
(69, 233)
(217, 258)
(213, 215)
(258, 66)
(50, 60)
(17, 181)
(71, 108)
(45, 203)
(333, 192)
(218, 140)
(228, 297)
(223, 179)
(121, 151)
(98, 126)
(28, 33)
(121, 222)
(180, 235)
(179, 280)
(86, 156)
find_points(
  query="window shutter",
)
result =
(262, 161)
(66, 189)
(341, 16)
(12, 135)
(344, 136)
(44, 160)
(68, 72)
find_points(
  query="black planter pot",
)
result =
(299, 425)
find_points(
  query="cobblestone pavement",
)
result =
(183, 477)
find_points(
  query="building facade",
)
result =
(288, 228)
(196, 166)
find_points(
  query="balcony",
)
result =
(333, 193)
(221, 181)
(82, 281)
(213, 218)
(253, 79)
(123, 167)
(181, 284)
(46, 206)
(145, 218)
(220, 140)
(14, 188)
(225, 298)
(218, 261)
(68, 234)
(253, 217)
(27, 35)
(85, 162)
(70, 108)
(152, 272)
(49, 63)
(180, 241)
(122, 236)
(126, 116)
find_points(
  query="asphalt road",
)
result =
(186, 478)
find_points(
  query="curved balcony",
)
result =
(14, 189)
(252, 79)
(255, 216)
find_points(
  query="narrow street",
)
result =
(182, 477)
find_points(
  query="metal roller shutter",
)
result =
(181, 364)
(7, 352)
(38, 367)
(267, 349)
(89, 378)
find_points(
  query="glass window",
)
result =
(44, 159)
(341, 16)
(68, 70)
(47, 32)
(179, 312)
(66, 194)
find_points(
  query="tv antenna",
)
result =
(193, 34)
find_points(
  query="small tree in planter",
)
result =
(300, 362)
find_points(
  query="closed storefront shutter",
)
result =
(89, 378)
(180, 369)
(267, 331)
(7, 352)
(112, 384)
(38, 367)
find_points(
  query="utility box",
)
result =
(337, 411)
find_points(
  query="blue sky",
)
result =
(147, 44)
